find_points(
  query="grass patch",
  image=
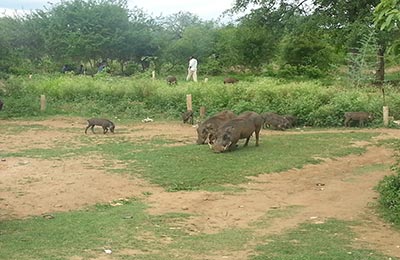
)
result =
(132, 234)
(10, 129)
(122, 229)
(328, 241)
(366, 169)
(86, 233)
(193, 167)
(280, 213)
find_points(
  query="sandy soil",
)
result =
(332, 189)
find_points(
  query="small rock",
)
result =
(47, 216)
(107, 251)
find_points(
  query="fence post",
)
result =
(385, 116)
(189, 102)
(42, 102)
(202, 112)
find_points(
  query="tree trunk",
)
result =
(380, 71)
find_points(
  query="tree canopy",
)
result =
(300, 35)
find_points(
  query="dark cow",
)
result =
(187, 117)
(105, 123)
(241, 127)
(275, 121)
(230, 81)
(357, 116)
(172, 80)
(211, 125)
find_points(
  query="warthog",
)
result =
(187, 117)
(274, 120)
(357, 116)
(172, 80)
(292, 120)
(105, 123)
(241, 127)
(230, 80)
(211, 125)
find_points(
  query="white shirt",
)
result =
(193, 64)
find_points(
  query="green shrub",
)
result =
(314, 103)
(389, 199)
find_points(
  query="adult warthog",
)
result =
(230, 81)
(357, 116)
(275, 121)
(241, 127)
(211, 125)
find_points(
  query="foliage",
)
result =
(306, 50)
(304, 37)
(313, 103)
(389, 192)
(387, 15)
(363, 61)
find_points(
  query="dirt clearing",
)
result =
(341, 188)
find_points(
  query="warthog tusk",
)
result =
(226, 146)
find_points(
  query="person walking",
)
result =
(192, 70)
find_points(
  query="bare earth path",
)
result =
(332, 189)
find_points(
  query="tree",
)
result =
(387, 18)
(346, 22)
(81, 30)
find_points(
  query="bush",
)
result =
(389, 191)
(313, 103)
(389, 199)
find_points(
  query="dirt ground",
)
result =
(332, 189)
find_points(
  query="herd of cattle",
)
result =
(223, 130)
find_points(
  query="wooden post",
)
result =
(202, 112)
(385, 116)
(153, 75)
(189, 102)
(42, 102)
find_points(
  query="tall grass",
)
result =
(314, 103)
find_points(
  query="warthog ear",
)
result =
(229, 129)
